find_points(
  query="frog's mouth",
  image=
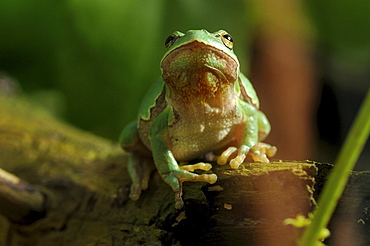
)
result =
(199, 69)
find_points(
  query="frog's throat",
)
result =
(199, 70)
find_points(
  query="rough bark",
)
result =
(74, 191)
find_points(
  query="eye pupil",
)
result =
(228, 37)
(227, 40)
(170, 40)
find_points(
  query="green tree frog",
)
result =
(202, 104)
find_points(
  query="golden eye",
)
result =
(227, 40)
(170, 40)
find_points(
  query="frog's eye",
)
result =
(227, 40)
(170, 40)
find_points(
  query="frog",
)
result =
(202, 107)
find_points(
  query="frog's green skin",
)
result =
(201, 104)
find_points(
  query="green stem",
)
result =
(337, 181)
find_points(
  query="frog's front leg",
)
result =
(257, 128)
(166, 163)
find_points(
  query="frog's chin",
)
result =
(199, 69)
(203, 105)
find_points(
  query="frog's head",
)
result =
(199, 62)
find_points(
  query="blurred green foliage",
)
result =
(100, 55)
(92, 61)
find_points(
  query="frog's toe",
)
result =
(179, 203)
(271, 151)
(183, 176)
(261, 151)
(235, 163)
(237, 156)
(147, 170)
(209, 178)
(199, 166)
(135, 192)
(224, 157)
(144, 183)
(259, 157)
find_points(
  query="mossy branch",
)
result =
(77, 189)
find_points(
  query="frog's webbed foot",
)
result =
(139, 170)
(177, 177)
(259, 153)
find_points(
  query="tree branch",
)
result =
(80, 186)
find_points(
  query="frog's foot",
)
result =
(177, 177)
(261, 151)
(237, 154)
(139, 170)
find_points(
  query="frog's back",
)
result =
(152, 105)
